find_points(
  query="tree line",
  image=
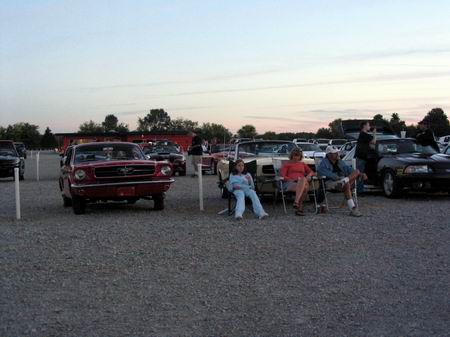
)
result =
(160, 120)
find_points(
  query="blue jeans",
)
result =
(361, 166)
(240, 202)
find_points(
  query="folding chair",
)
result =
(250, 167)
(315, 182)
(323, 186)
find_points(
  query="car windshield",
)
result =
(219, 148)
(404, 146)
(7, 152)
(339, 141)
(309, 147)
(265, 149)
(107, 152)
(163, 149)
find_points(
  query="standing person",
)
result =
(296, 177)
(340, 176)
(196, 152)
(365, 140)
(426, 136)
(242, 185)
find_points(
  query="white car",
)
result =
(346, 148)
(311, 150)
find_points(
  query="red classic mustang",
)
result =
(112, 171)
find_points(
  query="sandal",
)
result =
(295, 205)
(300, 212)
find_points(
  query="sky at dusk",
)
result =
(279, 65)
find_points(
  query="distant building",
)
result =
(182, 138)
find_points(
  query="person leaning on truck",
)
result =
(363, 147)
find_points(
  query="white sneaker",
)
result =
(355, 212)
(263, 216)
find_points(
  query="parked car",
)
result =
(400, 164)
(337, 142)
(117, 171)
(170, 153)
(219, 152)
(444, 140)
(311, 150)
(300, 140)
(321, 141)
(10, 159)
(21, 149)
(346, 148)
(263, 151)
(447, 150)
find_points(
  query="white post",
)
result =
(200, 185)
(16, 183)
(37, 166)
(403, 134)
(31, 154)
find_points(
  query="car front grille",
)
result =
(124, 171)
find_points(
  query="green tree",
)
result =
(397, 124)
(23, 132)
(379, 118)
(212, 130)
(336, 128)
(48, 140)
(269, 135)
(247, 131)
(324, 133)
(110, 123)
(183, 124)
(411, 130)
(156, 119)
(90, 127)
(438, 121)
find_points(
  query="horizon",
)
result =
(282, 67)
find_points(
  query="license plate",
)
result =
(125, 191)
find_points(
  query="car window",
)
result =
(265, 149)
(7, 152)
(107, 152)
(68, 156)
(402, 147)
(448, 150)
(309, 147)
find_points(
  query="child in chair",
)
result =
(242, 185)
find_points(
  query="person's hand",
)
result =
(249, 178)
(237, 187)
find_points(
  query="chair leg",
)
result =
(315, 197)
(325, 194)
(229, 205)
(284, 202)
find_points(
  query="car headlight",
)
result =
(416, 169)
(80, 174)
(166, 170)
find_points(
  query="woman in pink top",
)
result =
(296, 176)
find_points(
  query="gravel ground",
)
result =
(126, 270)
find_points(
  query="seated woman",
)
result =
(241, 185)
(296, 176)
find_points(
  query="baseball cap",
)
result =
(331, 149)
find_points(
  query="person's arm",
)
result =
(250, 181)
(374, 136)
(309, 173)
(324, 170)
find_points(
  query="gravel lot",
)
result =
(126, 270)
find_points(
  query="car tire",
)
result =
(78, 205)
(131, 201)
(182, 173)
(67, 202)
(21, 177)
(391, 186)
(158, 201)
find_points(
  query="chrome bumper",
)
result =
(151, 182)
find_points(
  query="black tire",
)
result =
(78, 205)
(67, 202)
(391, 185)
(182, 173)
(21, 177)
(158, 201)
(131, 201)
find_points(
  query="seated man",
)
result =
(340, 176)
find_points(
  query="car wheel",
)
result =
(391, 187)
(131, 201)
(158, 200)
(78, 205)
(67, 202)
(21, 177)
(182, 173)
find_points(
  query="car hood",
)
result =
(420, 158)
(114, 163)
